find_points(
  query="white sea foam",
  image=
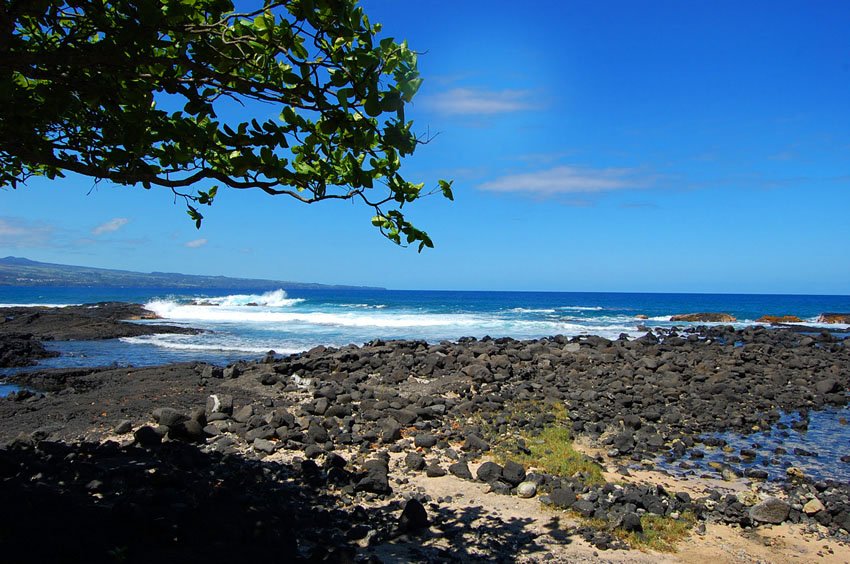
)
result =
(276, 298)
(815, 324)
(179, 342)
(531, 310)
(175, 312)
(364, 306)
(581, 308)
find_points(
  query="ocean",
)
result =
(245, 325)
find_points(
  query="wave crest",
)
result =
(275, 298)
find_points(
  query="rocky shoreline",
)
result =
(331, 451)
(86, 322)
(23, 328)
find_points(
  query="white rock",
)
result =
(526, 489)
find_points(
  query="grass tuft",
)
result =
(661, 534)
(552, 451)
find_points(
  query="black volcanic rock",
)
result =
(87, 322)
(21, 349)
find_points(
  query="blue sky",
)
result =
(595, 146)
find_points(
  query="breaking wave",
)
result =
(276, 298)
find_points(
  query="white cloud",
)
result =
(196, 243)
(569, 180)
(469, 101)
(110, 226)
(19, 233)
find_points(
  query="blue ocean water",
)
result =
(246, 325)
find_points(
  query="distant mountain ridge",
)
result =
(19, 271)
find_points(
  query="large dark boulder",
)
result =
(375, 478)
(489, 472)
(772, 510)
(563, 498)
(413, 517)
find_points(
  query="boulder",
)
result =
(513, 473)
(434, 470)
(211, 371)
(563, 498)
(189, 431)
(489, 472)
(474, 442)
(219, 403)
(461, 470)
(704, 317)
(772, 510)
(147, 437)
(168, 416)
(264, 446)
(244, 413)
(813, 506)
(413, 517)
(376, 478)
(124, 427)
(631, 523)
(414, 461)
(526, 489)
(828, 386)
(424, 440)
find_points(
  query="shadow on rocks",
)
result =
(91, 502)
(104, 503)
(471, 535)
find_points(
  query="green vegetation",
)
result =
(552, 451)
(140, 93)
(660, 533)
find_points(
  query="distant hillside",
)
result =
(16, 271)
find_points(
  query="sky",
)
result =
(660, 146)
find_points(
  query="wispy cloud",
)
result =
(194, 244)
(19, 233)
(110, 226)
(570, 180)
(475, 101)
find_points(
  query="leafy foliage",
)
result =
(130, 91)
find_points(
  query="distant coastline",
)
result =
(17, 271)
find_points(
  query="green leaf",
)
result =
(446, 188)
(320, 63)
(372, 105)
(409, 88)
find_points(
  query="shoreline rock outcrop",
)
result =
(776, 319)
(23, 328)
(704, 317)
(834, 318)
